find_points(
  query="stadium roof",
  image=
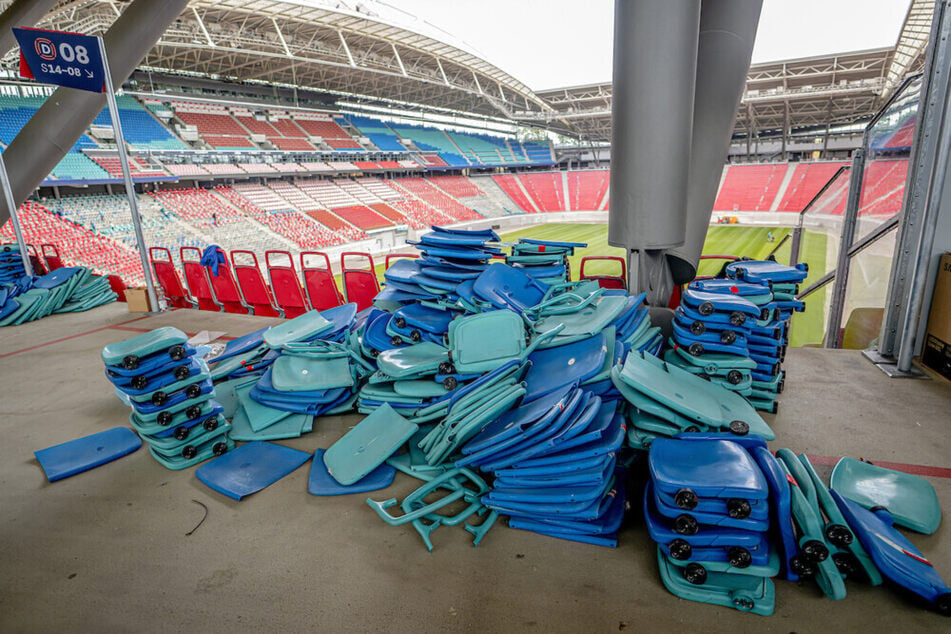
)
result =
(357, 49)
(372, 52)
(789, 94)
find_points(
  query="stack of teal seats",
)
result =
(169, 387)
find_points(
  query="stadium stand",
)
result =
(362, 217)
(215, 125)
(378, 132)
(806, 181)
(547, 190)
(320, 125)
(884, 186)
(77, 245)
(750, 187)
(432, 140)
(139, 127)
(438, 199)
(586, 189)
(186, 169)
(200, 207)
(513, 189)
(458, 186)
(112, 165)
(468, 193)
(79, 167)
(109, 216)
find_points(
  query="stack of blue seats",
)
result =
(708, 507)
(64, 290)
(170, 390)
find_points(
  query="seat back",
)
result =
(285, 284)
(36, 260)
(167, 276)
(51, 254)
(319, 282)
(253, 287)
(605, 281)
(359, 283)
(196, 277)
(118, 287)
(226, 291)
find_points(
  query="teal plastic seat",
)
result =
(911, 500)
(143, 345)
(368, 445)
(746, 593)
(301, 328)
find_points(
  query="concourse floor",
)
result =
(107, 550)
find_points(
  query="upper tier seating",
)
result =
(378, 132)
(76, 166)
(538, 152)
(139, 127)
(750, 187)
(806, 181)
(322, 125)
(432, 140)
(215, 125)
(186, 169)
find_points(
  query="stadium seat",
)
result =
(51, 255)
(605, 281)
(359, 284)
(285, 284)
(168, 279)
(196, 277)
(37, 262)
(226, 291)
(322, 291)
(252, 284)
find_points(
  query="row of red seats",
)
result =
(240, 286)
(438, 199)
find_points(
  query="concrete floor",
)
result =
(107, 550)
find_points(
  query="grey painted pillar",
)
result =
(20, 13)
(727, 32)
(66, 114)
(655, 60)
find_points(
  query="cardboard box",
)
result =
(937, 352)
(137, 299)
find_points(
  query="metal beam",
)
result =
(20, 13)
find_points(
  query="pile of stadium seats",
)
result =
(709, 506)
(169, 387)
(733, 331)
(65, 290)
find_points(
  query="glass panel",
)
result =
(883, 189)
(819, 247)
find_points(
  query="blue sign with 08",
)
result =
(62, 59)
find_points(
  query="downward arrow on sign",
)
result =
(89, 74)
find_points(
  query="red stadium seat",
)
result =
(322, 291)
(167, 278)
(118, 287)
(605, 281)
(51, 255)
(285, 285)
(253, 286)
(36, 260)
(197, 279)
(226, 291)
(359, 284)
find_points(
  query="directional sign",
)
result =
(63, 59)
